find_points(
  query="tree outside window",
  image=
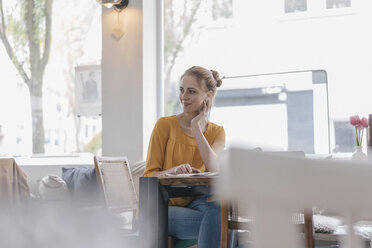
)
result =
(184, 22)
(41, 42)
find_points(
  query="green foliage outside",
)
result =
(95, 145)
(170, 107)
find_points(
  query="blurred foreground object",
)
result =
(13, 183)
(270, 188)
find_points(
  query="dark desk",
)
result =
(153, 204)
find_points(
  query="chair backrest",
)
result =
(13, 183)
(272, 188)
(236, 217)
(116, 183)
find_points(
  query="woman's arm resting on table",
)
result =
(180, 169)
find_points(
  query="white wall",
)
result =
(129, 76)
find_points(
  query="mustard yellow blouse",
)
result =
(170, 146)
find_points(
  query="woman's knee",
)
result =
(184, 223)
(214, 211)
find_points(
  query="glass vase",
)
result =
(358, 154)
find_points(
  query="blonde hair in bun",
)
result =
(210, 79)
(217, 78)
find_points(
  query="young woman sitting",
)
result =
(189, 143)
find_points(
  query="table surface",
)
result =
(187, 181)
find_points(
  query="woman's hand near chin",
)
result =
(200, 119)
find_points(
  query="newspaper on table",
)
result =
(192, 174)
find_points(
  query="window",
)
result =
(303, 9)
(295, 5)
(38, 111)
(288, 110)
(222, 9)
(260, 42)
(338, 3)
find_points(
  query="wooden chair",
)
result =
(271, 188)
(232, 224)
(116, 186)
(14, 189)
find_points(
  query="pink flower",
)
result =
(359, 127)
(364, 122)
(355, 120)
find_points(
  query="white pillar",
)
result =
(129, 80)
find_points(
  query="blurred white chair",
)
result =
(234, 222)
(116, 185)
(271, 188)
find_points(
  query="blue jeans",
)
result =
(199, 220)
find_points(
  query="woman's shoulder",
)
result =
(215, 132)
(166, 121)
(216, 128)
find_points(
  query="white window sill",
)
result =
(80, 159)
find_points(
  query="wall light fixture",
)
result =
(118, 5)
